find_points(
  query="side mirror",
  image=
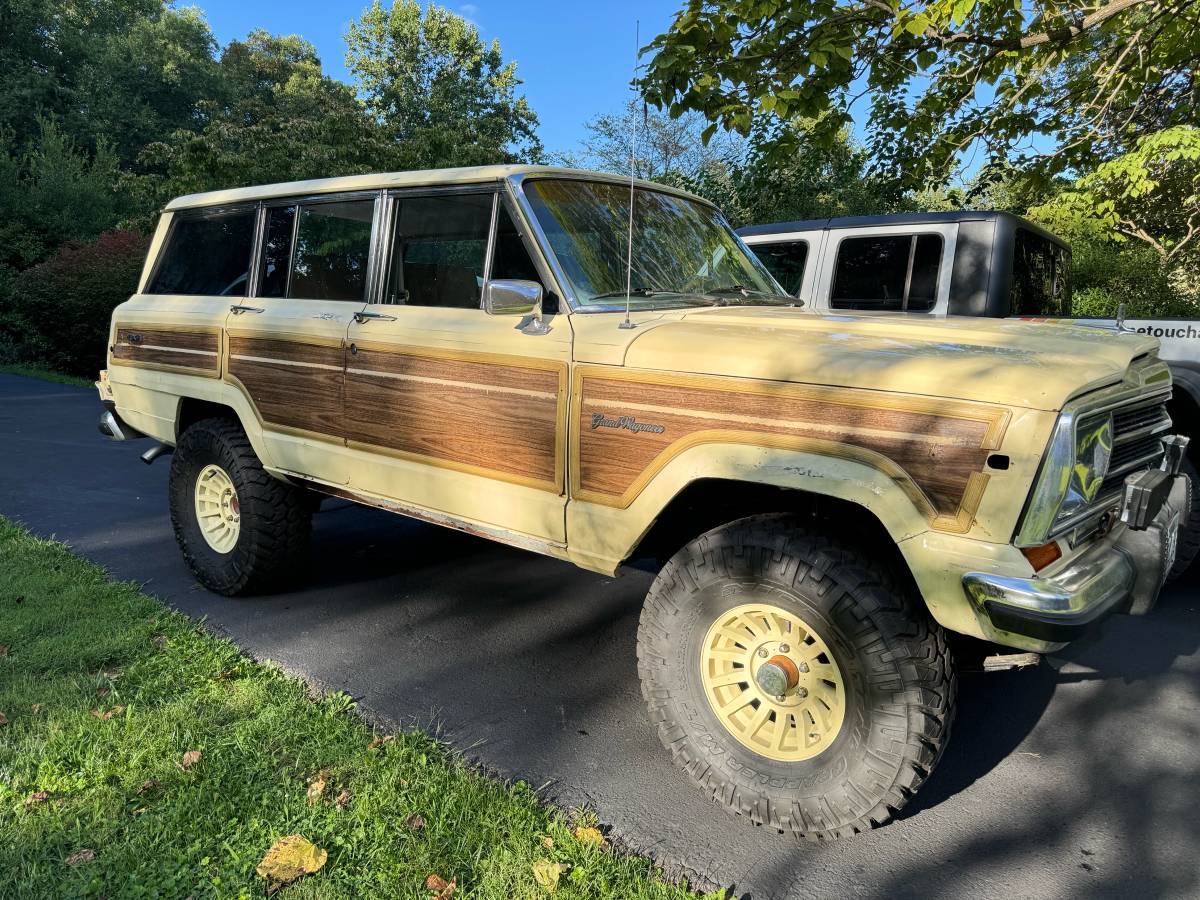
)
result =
(512, 297)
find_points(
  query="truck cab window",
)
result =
(786, 261)
(887, 272)
(207, 254)
(439, 250)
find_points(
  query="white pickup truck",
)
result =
(965, 264)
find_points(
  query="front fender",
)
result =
(601, 537)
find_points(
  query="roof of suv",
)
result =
(417, 178)
(925, 218)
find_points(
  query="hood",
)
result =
(1038, 365)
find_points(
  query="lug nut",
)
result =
(784, 648)
(801, 693)
(762, 651)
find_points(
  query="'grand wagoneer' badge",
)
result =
(599, 420)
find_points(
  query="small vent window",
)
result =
(786, 261)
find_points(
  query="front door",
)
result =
(286, 344)
(447, 408)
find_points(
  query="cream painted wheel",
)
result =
(218, 510)
(772, 682)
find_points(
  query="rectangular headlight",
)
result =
(1071, 476)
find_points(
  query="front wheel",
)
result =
(240, 529)
(797, 683)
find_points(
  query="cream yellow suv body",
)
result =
(824, 497)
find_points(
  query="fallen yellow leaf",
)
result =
(342, 799)
(81, 856)
(590, 836)
(36, 708)
(290, 858)
(415, 822)
(37, 797)
(190, 759)
(547, 873)
(148, 785)
(377, 740)
(441, 888)
(108, 714)
(548, 842)
(316, 787)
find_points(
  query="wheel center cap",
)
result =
(777, 676)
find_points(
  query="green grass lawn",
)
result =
(104, 691)
(44, 374)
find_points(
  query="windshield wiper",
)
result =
(634, 292)
(750, 292)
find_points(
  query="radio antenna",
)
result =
(637, 55)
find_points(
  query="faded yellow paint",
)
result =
(1012, 375)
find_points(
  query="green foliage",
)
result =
(52, 191)
(278, 118)
(56, 314)
(1150, 194)
(439, 93)
(161, 686)
(941, 77)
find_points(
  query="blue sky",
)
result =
(576, 58)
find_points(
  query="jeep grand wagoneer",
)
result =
(490, 350)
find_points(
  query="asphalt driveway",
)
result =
(1080, 778)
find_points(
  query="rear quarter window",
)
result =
(207, 254)
(1041, 276)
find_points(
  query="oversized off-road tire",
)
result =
(866, 683)
(241, 530)
(1189, 530)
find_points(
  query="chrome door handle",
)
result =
(238, 308)
(361, 317)
(326, 317)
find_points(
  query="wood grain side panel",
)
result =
(155, 348)
(292, 384)
(941, 455)
(489, 418)
(518, 379)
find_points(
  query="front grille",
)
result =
(1138, 429)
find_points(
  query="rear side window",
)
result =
(1041, 283)
(786, 261)
(332, 248)
(888, 272)
(207, 254)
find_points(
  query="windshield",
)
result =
(684, 253)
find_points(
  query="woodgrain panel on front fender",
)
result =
(630, 424)
(497, 416)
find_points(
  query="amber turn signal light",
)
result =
(1040, 557)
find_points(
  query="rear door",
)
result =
(450, 409)
(287, 341)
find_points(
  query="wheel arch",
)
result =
(711, 485)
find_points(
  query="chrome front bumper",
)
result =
(1122, 572)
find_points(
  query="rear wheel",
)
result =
(240, 529)
(797, 682)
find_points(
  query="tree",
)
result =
(440, 94)
(276, 118)
(665, 147)
(942, 77)
(1151, 195)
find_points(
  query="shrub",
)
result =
(1107, 274)
(56, 314)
